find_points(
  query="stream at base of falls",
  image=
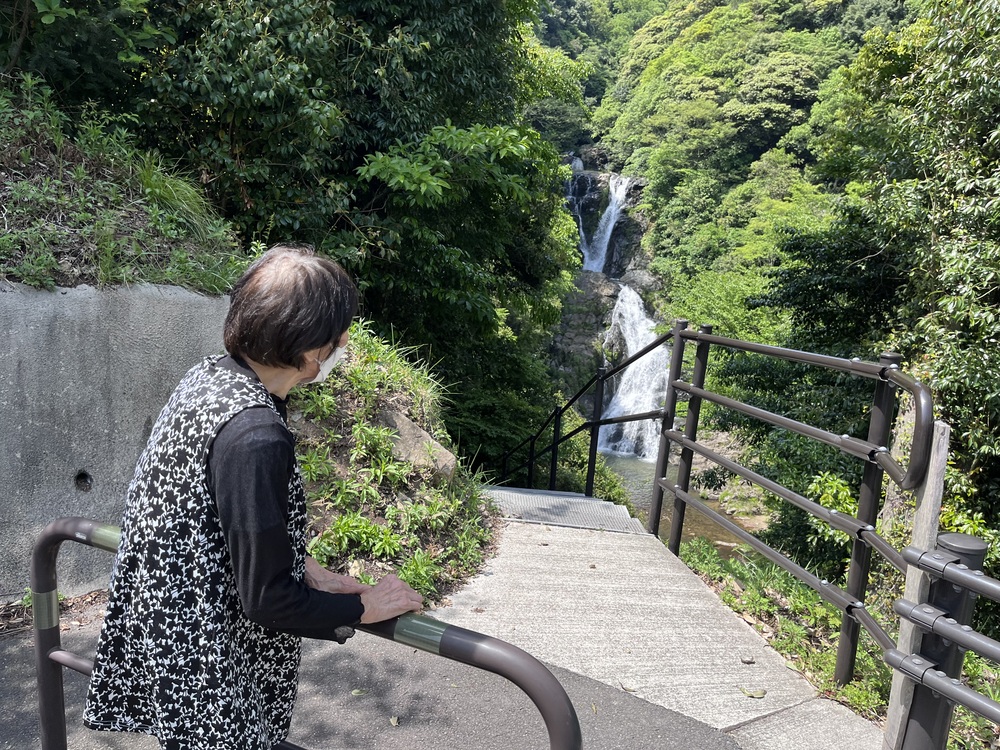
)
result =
(637, 477)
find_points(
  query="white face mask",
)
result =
(327, 365)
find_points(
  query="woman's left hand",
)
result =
(318, 577)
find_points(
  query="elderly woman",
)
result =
(212, 589)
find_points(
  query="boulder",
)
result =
(414, 445)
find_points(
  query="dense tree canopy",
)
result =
(389, 135)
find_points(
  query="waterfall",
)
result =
(595, 250)
(642, 385)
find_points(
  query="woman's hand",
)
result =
(318, 577)
(388, 598)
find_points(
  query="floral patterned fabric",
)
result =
(177, 657)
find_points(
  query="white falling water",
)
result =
(595, 250)
(577, 164)
(642, 385)
(640, 388)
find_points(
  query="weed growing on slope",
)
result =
(371, 513)
(82, 204)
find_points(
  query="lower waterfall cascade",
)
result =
(642, 385)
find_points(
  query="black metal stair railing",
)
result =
(418, 631)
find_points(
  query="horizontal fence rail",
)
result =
(425, 633)
(934, 666)
(889, 372)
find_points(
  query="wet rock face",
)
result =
(576, 350)
(626, 257)
(587, 196)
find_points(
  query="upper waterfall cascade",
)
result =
(595, 250)
(640, 387)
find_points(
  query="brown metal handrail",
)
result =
(887, 371)
(418, 631)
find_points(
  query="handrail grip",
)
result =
(923, 428)
(450, 641)
(932, 620)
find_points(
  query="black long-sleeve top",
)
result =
(250, 464)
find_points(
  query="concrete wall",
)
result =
(83, 374)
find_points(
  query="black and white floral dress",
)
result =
(178, 658)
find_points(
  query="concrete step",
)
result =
(563, 509)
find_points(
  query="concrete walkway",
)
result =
(648, 655)
(617, 607)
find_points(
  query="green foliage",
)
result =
(563, 124)
(370, 512)
(385, 134)
(460, 199)
(395, 156)
(910, 261)
(477, 215)
(336, 83)
(943, 187)
(86, 50)
(83, 205)
(420, 571)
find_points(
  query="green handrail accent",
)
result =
(420, 632)
(45, 609)
(106, 537)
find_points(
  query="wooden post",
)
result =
(925, 532)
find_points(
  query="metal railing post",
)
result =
(595, 432)
(531, 463)
(554, 462)
(691, 433)
(45, 615)
(49, 656)
(879, 429)
(929, 719)
(669, 413)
